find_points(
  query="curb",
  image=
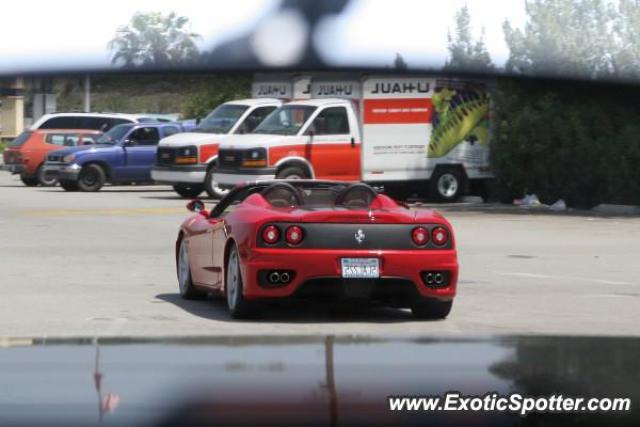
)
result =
(609, 209)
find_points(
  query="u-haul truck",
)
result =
(186, 160)
(388, 129)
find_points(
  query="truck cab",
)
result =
(185, 160)
(315, 138)
(125, 154)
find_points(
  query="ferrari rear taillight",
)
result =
(420, 236)
(271, 234)
(439, 235)
(294, 235)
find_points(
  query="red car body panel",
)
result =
(209, 240)
(33, 152)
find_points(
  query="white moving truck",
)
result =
(186, 160)
(423, 133)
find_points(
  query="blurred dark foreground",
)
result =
(301, 381)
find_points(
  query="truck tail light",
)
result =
(439, 235)
(294, 235)
(420, 236)
(271, 234)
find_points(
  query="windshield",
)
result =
(222, 119)
(21, 139)
(114, 135)
(286, 120)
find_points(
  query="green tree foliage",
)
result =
(576, 141)
(225, 89)
(563, 37)
(626, 30)
(580, 38)
(154, 39)
(191, 94)
(466, 53)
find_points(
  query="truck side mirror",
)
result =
(311, 131)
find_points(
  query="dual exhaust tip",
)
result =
(279, 277)
(434, 278)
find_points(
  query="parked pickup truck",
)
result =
(125, 154)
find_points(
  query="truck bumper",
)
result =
(13, 168)
(63, 172)
(193, 174)
(400, 265)
(238, 176)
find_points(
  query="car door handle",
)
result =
(353, 142)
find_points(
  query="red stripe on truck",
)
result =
(207, 151)
(404, 110)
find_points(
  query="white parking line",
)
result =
(566, 278)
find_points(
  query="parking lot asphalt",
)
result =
(102, 264)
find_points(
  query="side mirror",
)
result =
(197, 206)
(311, 131)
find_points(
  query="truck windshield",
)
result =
(222, 119)
(114, 135)
(286, 120)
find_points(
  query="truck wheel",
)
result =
(188, 191)
(239, 306)
(446, 184)
(69, 185)
(292, 172)
(46, 180)
(29, 181)
(212, 188)
(91, 178)
(187, 290)
(431, 309)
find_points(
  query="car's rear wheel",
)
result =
(427, 308)
(91, 178)
(188, 191)
(46, 180)
(69, 185)
(29, 181)
(239, 306)
(187, 290)
(212, 188)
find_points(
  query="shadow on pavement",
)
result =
(292, 311)
(505, 209)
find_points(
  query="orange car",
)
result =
(26, 154)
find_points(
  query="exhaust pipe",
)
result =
(274, 277)
(429, 278)
(284, 277)
(438, 278)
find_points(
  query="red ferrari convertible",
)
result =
(317, 239)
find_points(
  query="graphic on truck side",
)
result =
(460, 114)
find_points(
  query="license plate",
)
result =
(360, 268)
